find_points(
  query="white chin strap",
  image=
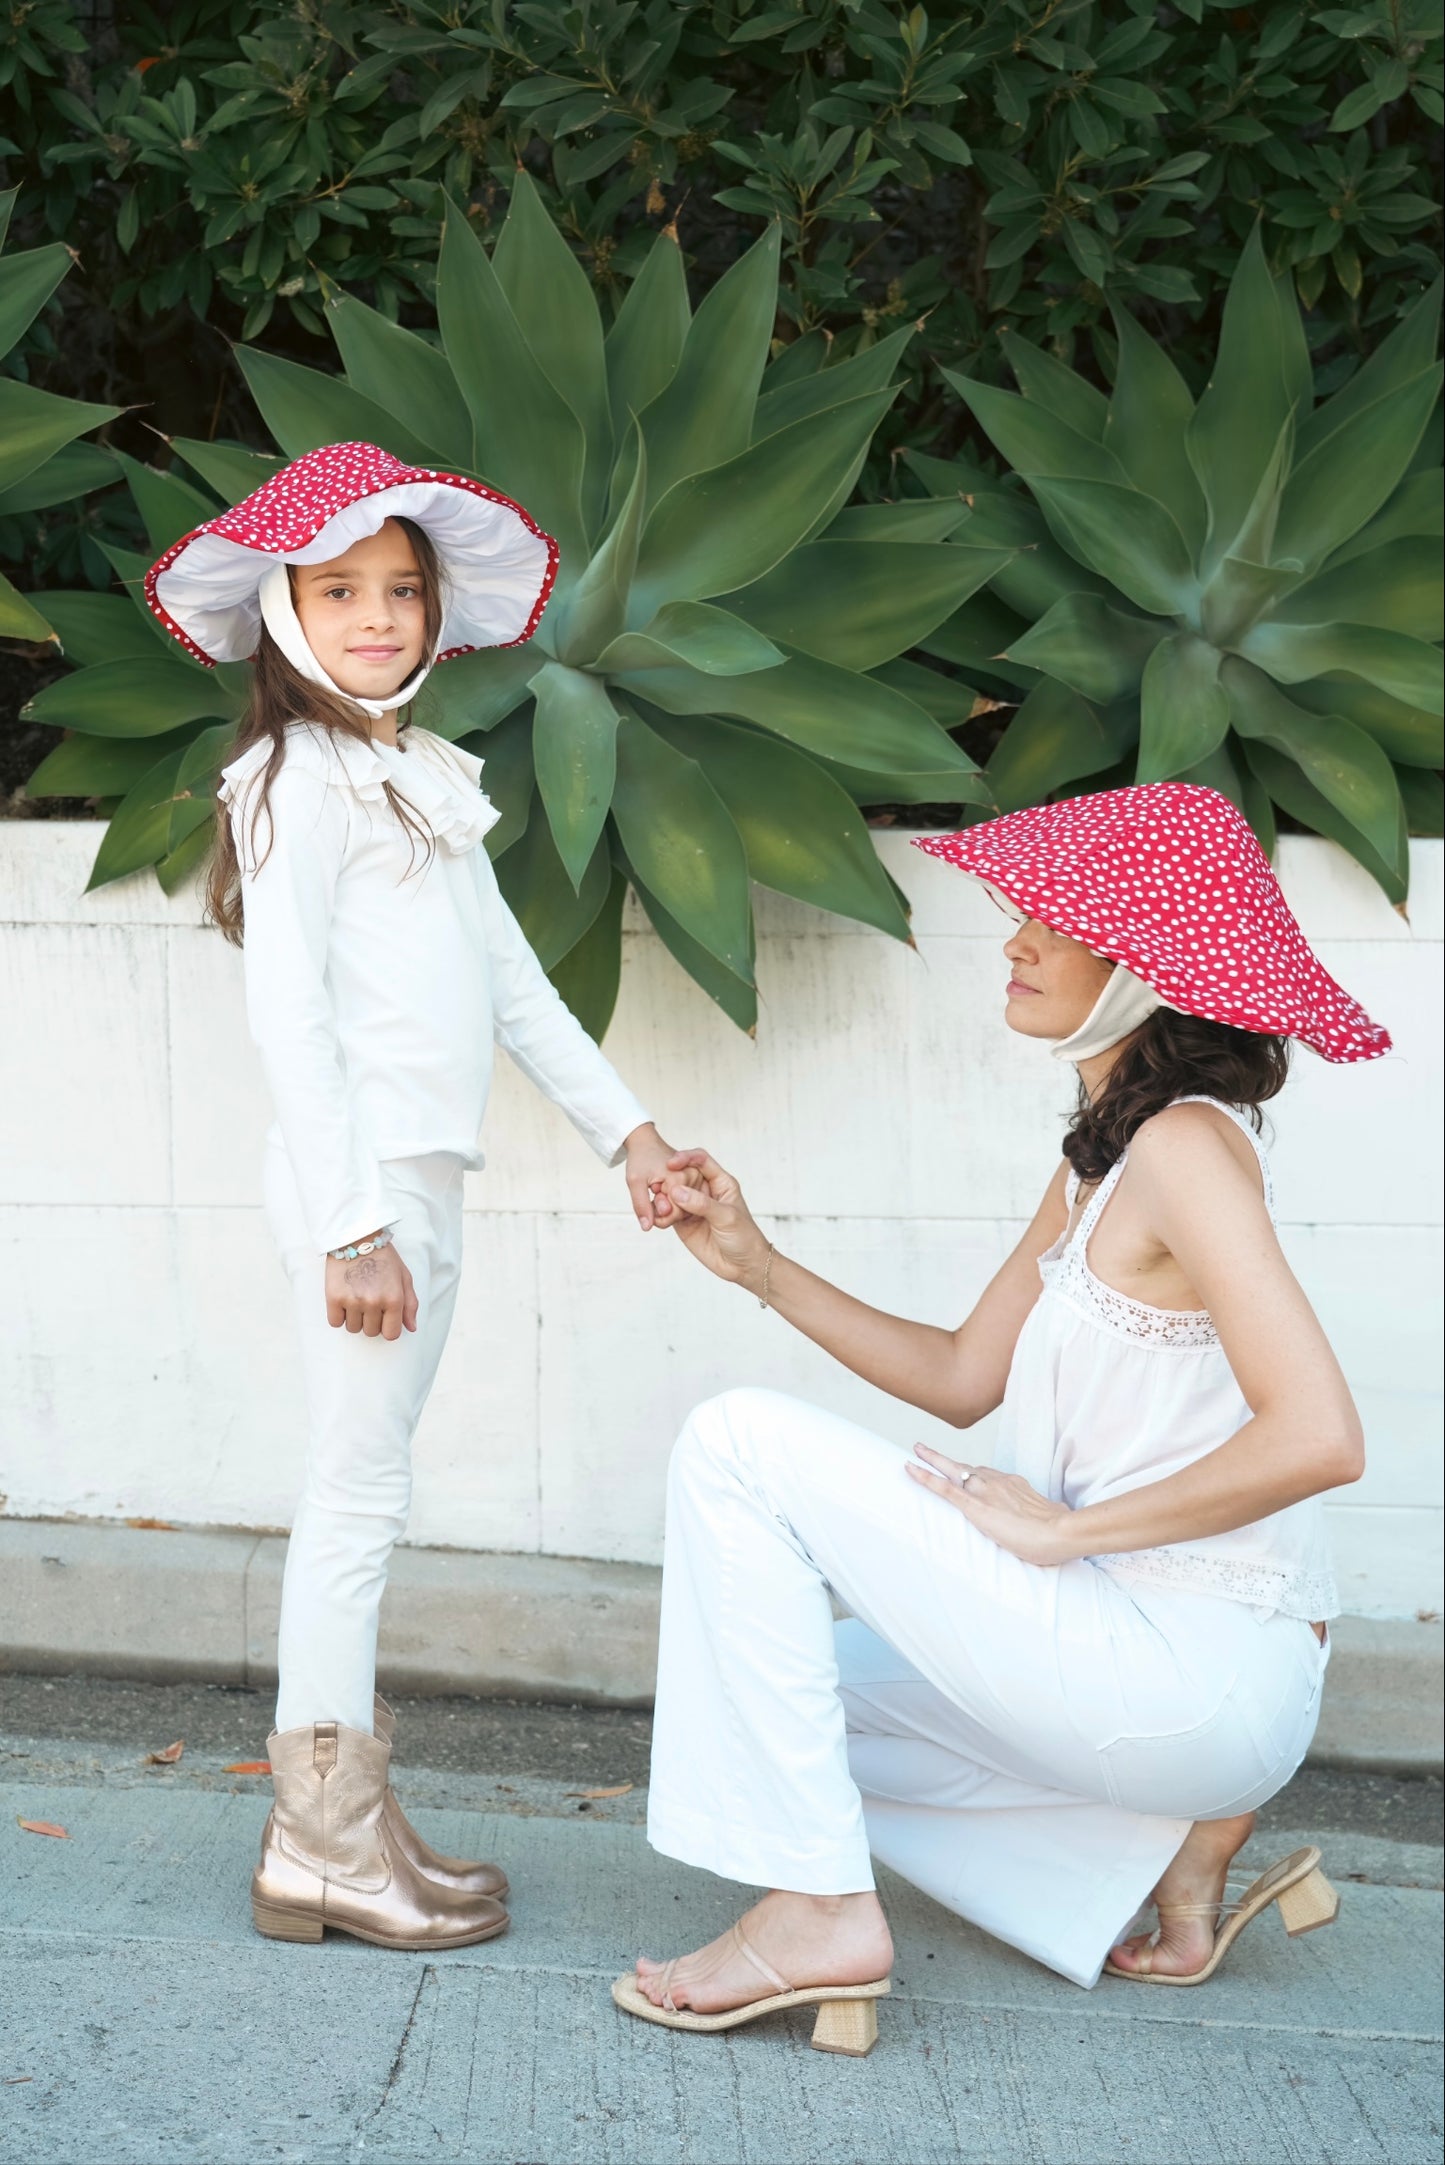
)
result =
(1124, 1003)
(278, 613)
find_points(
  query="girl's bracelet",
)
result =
(767, 1274)
(356, 1249)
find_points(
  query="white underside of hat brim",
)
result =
(495, 564)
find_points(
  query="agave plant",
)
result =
(1245, 591)
(41, 462)
(716, 684)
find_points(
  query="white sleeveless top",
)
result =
(1105, 1394)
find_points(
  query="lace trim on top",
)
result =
(1289, 1589)
(1065, 1270)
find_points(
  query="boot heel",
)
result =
(1310, 1904)
(291, 1924)
(848, 2026)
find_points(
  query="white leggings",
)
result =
(364, 1399)
(1029, 1746)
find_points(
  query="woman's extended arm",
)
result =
(957, 1375)
(1203, 1204)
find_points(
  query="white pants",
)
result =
(1029, 1746)
(364, 1399)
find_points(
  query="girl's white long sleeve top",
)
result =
(379, 971)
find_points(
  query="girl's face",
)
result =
(363, 613)
(1055, 982)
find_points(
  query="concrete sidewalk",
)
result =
(143, 2021)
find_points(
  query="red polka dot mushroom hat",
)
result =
(498, 563)
(1168, 879)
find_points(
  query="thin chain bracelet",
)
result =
(767, 1274)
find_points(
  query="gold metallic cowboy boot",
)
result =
(328, 1860)
(446, 1871)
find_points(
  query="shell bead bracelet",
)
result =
(357, 1249)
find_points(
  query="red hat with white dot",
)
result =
(498, 565)
(1168, 879)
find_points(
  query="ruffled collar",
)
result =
(440, 781)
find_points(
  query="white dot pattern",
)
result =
(1167, 878)
(287, 513)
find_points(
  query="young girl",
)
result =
(1068, 1680)
(381, 962)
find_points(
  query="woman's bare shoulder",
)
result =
(1188, 1143)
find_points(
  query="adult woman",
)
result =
(1069, 1684)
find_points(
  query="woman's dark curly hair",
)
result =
(1169, 1057)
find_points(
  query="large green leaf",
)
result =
(557, 313)
(1341, 761)
(1415, 511)
(574, 743)
(736, 996)
(1097, 651)
(1148, 416)
(1246, 402)
(867, 787)
(232, 471)
(977, 638)
(1408, 734)
(169, 506)
(1423, 796)
(588, 975)
(683, 844)
(74, 470)
(1400, 357)
(509, 777)
(181, 864)
(552, 914)
(834, 713)
(19, 618)
(698, 635)
(1345, 480)
(859, 603)
(26, 284)
(802, 832)
(1128, 538)
(400, 372)
(950, 701)
(156, 815)
(1396, 588)
(1055, 738)
(704, 414)
(528, 442)
(596, 609)
(871, 370)
(34, 425)
(103, 766)
(142, 697)
(96, 626)
(917, 519)
(1033, 440)
(722, 529)
(1056, 386)
(1184, 713)
(305, 409)
(476, 691)
(1295, 794)
(1407, 669)
(645, 343)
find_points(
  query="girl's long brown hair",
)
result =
(1169, 1057)
(280, 696)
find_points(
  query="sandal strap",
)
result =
(764, 1969)
(1197, 1909)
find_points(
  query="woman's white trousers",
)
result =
(364, 1399)
(1030, 1746)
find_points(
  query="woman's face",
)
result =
(1055, 982)
(364, 613)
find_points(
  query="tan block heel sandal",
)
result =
(847, 2014)
(1306, 1901)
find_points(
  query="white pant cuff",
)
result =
(750, 1858)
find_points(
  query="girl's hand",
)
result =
(1001, 1505)
(374, 1294)
(710, 1215)
(648, 1158)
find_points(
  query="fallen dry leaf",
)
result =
(43, 1826)
(168, 1757)
(620, 1791)
(248, 1766)
(152, 1526)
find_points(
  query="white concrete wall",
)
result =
(884, 1123)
